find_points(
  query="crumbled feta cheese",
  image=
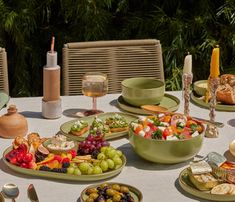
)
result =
(134, 125)
(171, 137)
(147, 129)
(142, 133)
(195, 134)
(161, 128)
(164, 124)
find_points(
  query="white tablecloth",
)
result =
(156, 182)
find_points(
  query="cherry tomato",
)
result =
(166, 133)
(148, 134)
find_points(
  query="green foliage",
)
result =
(195, 26)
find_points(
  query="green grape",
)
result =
(90, 170)
(103, 149)
(108, 150)
(117, 161)
(111, 153)
(97, 170)
(104, 165)
(117, 166)
(119, 153)
(84, 167)
(101, 156)
(110, 163)
(74, 165)
(77, 171)
(70, 170)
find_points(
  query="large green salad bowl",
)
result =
(142, 91)
(165, 151)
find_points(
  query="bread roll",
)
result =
(226, 90)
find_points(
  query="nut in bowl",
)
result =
(166, 139)
(142, 91)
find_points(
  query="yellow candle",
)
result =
(214, 70)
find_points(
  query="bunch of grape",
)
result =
(107, 159)
(92, 145)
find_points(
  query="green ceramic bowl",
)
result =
(200, 87)
(163, 151)
(142, 91)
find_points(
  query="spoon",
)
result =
(155, 109)
(2, 197)
(10, 191)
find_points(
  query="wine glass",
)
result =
(94, 84)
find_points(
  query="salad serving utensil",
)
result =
(32, 194)
(155, 109)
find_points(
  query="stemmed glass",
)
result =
(94, 84)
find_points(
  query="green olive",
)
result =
(116, 187)
(93, 195)
(124, 189)
(89, 200)
(91, 190)
(104, 185)
(110, 192)
(117, 197)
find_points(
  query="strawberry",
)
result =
(27, 158)
(74, 153)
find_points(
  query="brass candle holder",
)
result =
(212, 130)
(187, 81)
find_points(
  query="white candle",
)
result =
(187, 65)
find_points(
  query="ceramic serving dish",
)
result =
(63, 176)
(142, 91)
(134, 192)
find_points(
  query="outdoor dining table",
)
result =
(157, 182)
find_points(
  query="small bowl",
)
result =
(142, 91)
(59, 151)
(165, 151)
(200, 87)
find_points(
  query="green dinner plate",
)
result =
(63, 176)
(65, 127)
(220, 107)
(135, 193)
(4, 98)
(190, 188)
(169, 101)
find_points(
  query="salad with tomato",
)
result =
(167, 127)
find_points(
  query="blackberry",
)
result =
(57, 170)
(63, 170)
(65, 164)
(44, 168)
(95, 154)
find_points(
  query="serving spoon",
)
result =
(155, 109)
(10, 191)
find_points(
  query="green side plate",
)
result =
(4, 98)
(190, 188)
(169, 101)
(135, 193)
(219, 106)
(63, 176)
(65, 127)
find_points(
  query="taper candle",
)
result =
(187, 64)
(214, 68)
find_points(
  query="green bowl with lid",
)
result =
(142, 91)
